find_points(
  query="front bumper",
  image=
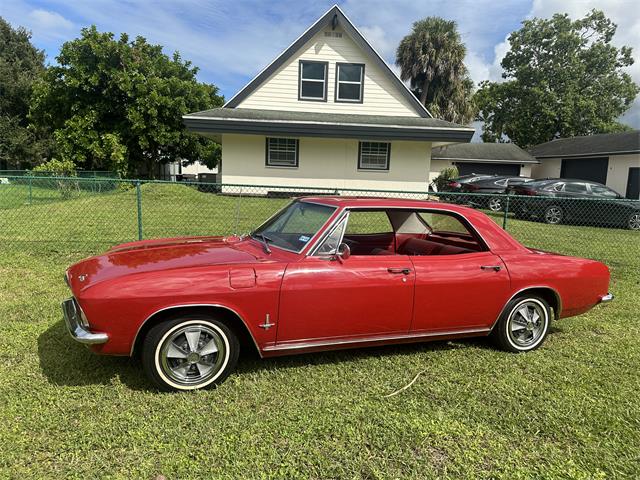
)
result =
(73, 321)
(606, 298)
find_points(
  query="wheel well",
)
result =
(549, 295)
(231, 319)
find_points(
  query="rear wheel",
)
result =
(553, 215)
(189, 352)
(633, 223)
(523, 325)
(495, 204)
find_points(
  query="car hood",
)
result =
(162, 254)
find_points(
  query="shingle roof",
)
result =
(483, 152)
(321, 117)
(219, 121)
(605, 143)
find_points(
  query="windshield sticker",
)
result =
(304, 238)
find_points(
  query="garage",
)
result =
(591, 169)
(465, 168)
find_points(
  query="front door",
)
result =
(633, 184)
(458, 292)
(362, 296)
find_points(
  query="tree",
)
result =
(21, 64)
(563, 78)
(118, 105)
(431, 58)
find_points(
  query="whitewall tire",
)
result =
(523, 325)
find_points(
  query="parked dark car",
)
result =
(561, 200)
(492, 185)
(456, 184)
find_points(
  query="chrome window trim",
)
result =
(328, 233)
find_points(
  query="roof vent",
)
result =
(333, 34)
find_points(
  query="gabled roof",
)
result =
(334, 16)
(483, 153)
(589, 146)
(315, 124)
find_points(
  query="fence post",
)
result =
(506, 212)
(139, 201)
(237, 225)
(30, 191)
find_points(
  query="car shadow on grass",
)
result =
(66, 363)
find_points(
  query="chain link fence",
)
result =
(89, 214)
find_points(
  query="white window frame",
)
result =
(279, 163)
(374, 168)
(349, 82)
(324, 82)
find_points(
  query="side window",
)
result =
(600, 191)
(439, 222)
(575, 187)
(330, 244)
(362, 222)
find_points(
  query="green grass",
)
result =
(568, 410)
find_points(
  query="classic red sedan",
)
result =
(323, 273)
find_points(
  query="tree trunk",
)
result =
(423, 93)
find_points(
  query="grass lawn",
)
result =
(569, 409)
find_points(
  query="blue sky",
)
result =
(232, 40)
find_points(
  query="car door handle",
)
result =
(495, 268)
(405, 271)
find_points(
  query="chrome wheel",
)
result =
(495, 204)
(634, 221)
(192, 354)
(527, 324)
(553, 215)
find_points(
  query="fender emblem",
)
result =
(267, 324)
(82, 278)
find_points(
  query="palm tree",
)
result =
(431, 58)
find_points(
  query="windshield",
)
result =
(293, 227)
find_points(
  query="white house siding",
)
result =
(617, 173)
(280, 91)
(325, 162)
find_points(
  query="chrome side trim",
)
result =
(187, 305)
(381, 338)
(556, 314)
(76, 330)
(606, 298)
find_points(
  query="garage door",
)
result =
(488, 168)
(592, 169)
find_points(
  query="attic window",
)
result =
(333, 34)
(313, 80)
(349, 82)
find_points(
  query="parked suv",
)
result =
(561, 200)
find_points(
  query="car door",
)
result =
(324, 298)
(575, 202)
(608, 210)
(461, 291)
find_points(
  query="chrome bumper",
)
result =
(73, 321)
(606, 298)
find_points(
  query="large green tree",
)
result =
(21, 64)
(431, 58)
(117, 104)
(562, 78)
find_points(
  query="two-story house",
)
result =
(327, 112)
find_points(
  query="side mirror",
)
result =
(343, 252)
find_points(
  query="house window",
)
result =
(349, 82)
(282, 152)
(374, 155)
(313, 81)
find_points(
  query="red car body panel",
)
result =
(315, 304)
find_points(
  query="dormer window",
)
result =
(349, 82)
(313, 81)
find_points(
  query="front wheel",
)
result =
(523, 325)
(553, 215)
(189, 352)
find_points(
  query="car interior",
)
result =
(404, 232)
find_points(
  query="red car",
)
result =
(321, 274)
